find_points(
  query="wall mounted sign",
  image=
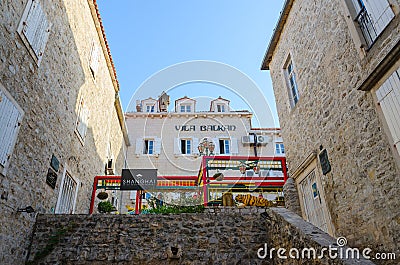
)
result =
(323, 159)
(51, 178)
(138, 179)
(55, 164)
(205, 128)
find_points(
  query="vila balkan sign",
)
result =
(139, 179)
(205, 128)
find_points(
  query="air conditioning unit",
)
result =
(248, 139)
(110, 167)
(262, 139)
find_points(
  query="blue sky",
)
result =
(146, 37)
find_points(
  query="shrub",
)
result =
(105, 207)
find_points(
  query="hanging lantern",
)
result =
(211, 147)
(201, 148)
(256, 168)
(242, 168)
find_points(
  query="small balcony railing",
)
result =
(366, 26)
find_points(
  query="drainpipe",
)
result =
(255, 143)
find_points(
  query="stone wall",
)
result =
(209, 238)
(221, 235)
(362, 189)
(49, 95)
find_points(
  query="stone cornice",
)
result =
(187, 114)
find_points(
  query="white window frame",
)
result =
(146, 147)
(291, 82)
(82, 121)
(188, 146)
(34, 29)
(221, 107)
(150, 108)
(15, 117)
(185, 108)
(226, 142)
(279, 148)
(63, 197)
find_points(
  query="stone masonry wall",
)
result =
(362, 189)
(49, 95)
(221, 235)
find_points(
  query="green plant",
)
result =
(52, 242)
(175, 209)
(105, 207)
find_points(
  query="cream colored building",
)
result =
(169, 141)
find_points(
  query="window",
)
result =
(94, 59)
(148, 147)
(34, 29)
(10, 121)
(388, 96)
(220, 108)
(291, 81)
(150, 108)
(186, 108)
(372, 17)
(279, 149)
(82, 122)
(224, 146)
(67, 197)
(186, 146)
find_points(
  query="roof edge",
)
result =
(94, 9)
(276, 34)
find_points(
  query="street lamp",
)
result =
(256, 168)
(206, 147)
(242, 168)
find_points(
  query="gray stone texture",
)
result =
(291, 195)
(49, 95)
(362, 190)
(221, 235)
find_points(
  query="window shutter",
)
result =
(380, 12)
(94, 58)
(157, 146)
(10, 118)
(83, 121)
(234, 146)
(216, 142)
(37, 29)
(195, 142)
(177, 146)
(389, 98)
(139, 146)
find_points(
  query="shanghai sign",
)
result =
(139, 179)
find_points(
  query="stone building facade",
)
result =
(335, 72)
(61, 120)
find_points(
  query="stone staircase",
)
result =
(226, 235)
(207, 238)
